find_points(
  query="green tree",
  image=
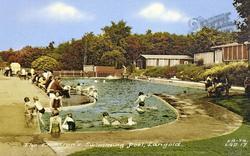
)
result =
(207, 37)
(114, 58)
(117, 32)
(45, 63)
(243, 8)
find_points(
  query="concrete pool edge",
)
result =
(189, 84)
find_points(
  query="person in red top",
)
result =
(54, 87)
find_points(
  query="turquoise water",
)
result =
(117, 97)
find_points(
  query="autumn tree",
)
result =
(28, 54)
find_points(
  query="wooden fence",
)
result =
(100, 71)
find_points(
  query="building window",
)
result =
(185, 62)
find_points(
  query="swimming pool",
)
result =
(117, 97)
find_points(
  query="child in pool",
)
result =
(55, 127)
(106, 121)
(69, 123)
(141, 99)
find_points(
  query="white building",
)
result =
(209, 58)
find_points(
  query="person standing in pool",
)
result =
(40, 109)
(56, 102)
(55, 126)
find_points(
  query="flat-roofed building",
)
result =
(145, 61)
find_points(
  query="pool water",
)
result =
(117, 97)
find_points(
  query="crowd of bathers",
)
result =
(56, 91)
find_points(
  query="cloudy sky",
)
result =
(37, 22)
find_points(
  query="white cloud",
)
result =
(157, 11)
(59, 12)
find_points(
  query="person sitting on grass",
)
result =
(69, 123)
(55, 126)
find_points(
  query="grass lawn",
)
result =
(234, 144)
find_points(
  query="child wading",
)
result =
(40, 109)
(29, 108)
(69, 123)
(55, 127)
(141, 99)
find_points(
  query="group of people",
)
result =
(91, 91)
(55, 91)
(22, 73)
(141, 107)
(36, 109)
(33, 109)
(217, 85)
(49, 83)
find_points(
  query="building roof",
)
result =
(177, 57)
(205, 52)
(227, 45)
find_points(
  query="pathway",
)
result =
(14, 135)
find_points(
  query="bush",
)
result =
(190, 72)
(236, 72)
(155, 72)
(170, 72)
(45, 63)
(184, 72)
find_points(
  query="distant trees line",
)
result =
(116, 46)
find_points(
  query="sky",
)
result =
(38, 22)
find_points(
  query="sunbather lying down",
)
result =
(110, 121)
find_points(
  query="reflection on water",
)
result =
(117, 97)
